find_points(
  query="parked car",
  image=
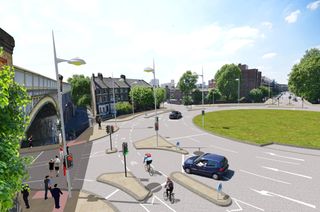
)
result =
(207, 164)
(175, 115)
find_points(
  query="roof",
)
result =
(213, 157)
(108, 82)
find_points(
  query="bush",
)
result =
(123, 108)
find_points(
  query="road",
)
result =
(270, 178)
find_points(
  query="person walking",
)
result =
(57, 165)
(30, 140)
(51, 165)
(55, 192)
(25, 194)
(61, 152)
(46, 186)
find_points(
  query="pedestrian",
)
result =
(57, 165)
(30, 140)
(98, 119)
(61, 152)
(51, 165)
(46, 186)
(25, 194)
(55, 192)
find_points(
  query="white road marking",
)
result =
(88, 180)
(155, 188)
(110, 195)
(144, 207)
(34, 181)
(280, 156)
(122, 161)
(268, 178)
(240, 208)
(228, 150)
(36, 157)
(161, 172)
(281, 161)
(152, 201)
(278, 170)
(133, 163)
(270, 194)
(188, 136)
(119, 155)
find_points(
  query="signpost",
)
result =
(125, 152)
(219, 189)
(178, 145)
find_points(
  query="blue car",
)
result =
(207, 164)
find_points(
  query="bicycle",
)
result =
(171, 198)
(149, 169)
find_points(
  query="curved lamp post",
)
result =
(74, 61)
(238, 79)
(148, 69)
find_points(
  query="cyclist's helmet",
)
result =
(148, 154)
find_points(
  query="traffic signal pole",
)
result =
(125, 152)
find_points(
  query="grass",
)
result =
(299, 128)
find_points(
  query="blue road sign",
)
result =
(219, 188)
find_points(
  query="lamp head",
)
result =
(76, 61)
(148, 69)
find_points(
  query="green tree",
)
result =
(187, 100)
(123, 108)
(80, 90)
(216, 93)
(187, 83)
(197, 96)
(256, 95)
(264, 90)
(160, 95)
(226, 81)
(142, 97)
(304, 79)
(13, 98)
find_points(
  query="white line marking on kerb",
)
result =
(36, 157)
(240, 208)
(281, 161)
(278, 170)
(268, 178)
(189, 136)
(280, 156)
(110, 195)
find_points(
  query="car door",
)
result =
(201, 166)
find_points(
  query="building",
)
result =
(7, 43)
(102, 90)
(212, 83)
(250, 79)
(169, 84)
(154, 83)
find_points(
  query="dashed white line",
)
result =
(189, 136)
(281, 161)
(280, 156)
(110, 195)
(268, 178)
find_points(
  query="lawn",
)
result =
(300, 128)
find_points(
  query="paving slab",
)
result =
(163, 144)
(197, 187)
(130, 184)
(91, 202)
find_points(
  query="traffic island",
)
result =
(113, 150)
(163, 144)
(90, 202)
(197, 187)
(130, 184)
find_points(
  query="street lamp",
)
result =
(238, 79)
(114, 102)
(74, 61)
(148, 69)
(202, 98)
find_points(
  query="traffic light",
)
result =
(112, 128)
(108, 129)
(203, 112)
(125, 150)
(69, 161)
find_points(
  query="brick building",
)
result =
(250, 79)
(7, 43)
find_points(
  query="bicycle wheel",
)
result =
(165, 197)
(172, 198)
(151, 171)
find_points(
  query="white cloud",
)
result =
(267, 24)
(269, 55)
(313, 5)
(292, 18)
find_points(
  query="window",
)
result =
(212, 163)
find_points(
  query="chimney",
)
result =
(123, 77)
(100, 76)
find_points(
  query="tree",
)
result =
(210, 98)
(197, 96)
(123, 108)
(80, 90)
(142, 97)
(187, 83)
(13, 98)
(160, 95)
(256, 95)
(226, 81)
(186, 100)
(304, 79)
(265, 91)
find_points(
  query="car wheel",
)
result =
(188, 171)
(215, 176)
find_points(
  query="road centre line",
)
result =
(280, 156)
(188, 136)
(228, 150)
(278, 170)
(36, 157)
(240, 208)
(110, 195)
(34, 181)
(281, 161)
(268, 178)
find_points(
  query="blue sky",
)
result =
(122, 37)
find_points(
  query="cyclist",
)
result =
(147, 160)
(169, 188)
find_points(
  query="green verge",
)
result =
(293, 127)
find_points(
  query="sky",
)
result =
(117, 37)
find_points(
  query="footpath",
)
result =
(83, 201)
